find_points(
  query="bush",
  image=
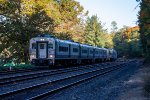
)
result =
(17, 67)
(23, 66)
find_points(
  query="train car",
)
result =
(42, 50)
(91, 54)
(100, 55)
(85, 56)
(112, 54)
(66, 52)
(97, 54)
(47, 50)
(105, 54)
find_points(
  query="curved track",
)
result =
(41, 90)
(36, 74)
(8, 72)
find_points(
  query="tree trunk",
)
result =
(25, 54)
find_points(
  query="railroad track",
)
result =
(22, 77)
(76, 80)
(17, 71)
(8, 72)
(2, 73)
(51, 86)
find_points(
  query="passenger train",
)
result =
(47, 50)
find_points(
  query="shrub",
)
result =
(17, 67)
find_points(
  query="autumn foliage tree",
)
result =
(144, 23)
(127, 42)
(95, 34)
(24, 19)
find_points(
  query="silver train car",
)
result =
(47, 50)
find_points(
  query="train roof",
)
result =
(46, 35)
(86, 45)
(67, 41)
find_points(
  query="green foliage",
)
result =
(114, 26)
(10, 64)
(17, 67)
(70, 12)
(144, 23)
(94, 32)
(22, 22)
(63, 36)
(128, 44)
(24, 19)
(23, 66)
(78, 32)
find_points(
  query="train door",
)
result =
(42, 50)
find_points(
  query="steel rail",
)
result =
(18, 78)
(40, 96)
(43, 84)
(17, 71)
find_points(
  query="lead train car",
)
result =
(47, 50)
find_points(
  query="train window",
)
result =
(84, 51)
(33, 45)
(63, 49)
(91, 51)
(75, 49)
(59, 48)
(66, 49)
(100, 52)
(110, 52)
(96, 52)
(41, 46)
(50, 46)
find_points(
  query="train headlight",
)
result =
(42, 39)
(51, 56)
(33, 56)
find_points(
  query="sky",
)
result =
(121, 11)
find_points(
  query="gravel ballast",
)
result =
(107, 87)
(27, 83)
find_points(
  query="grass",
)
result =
(17, 67)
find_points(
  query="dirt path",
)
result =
(137, 85)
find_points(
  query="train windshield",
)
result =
(50, 46)
(33, 45)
